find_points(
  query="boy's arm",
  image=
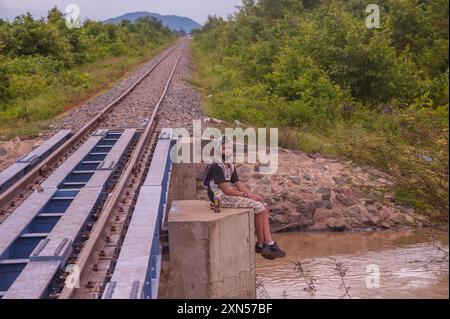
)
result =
(228, 190)
(241, 187)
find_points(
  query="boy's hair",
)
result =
(222, 140)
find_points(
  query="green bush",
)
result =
(378, 96)
(41, 60)
(4, 82)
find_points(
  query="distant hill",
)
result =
(172, 21)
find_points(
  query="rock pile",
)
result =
(314, 193)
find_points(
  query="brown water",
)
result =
(387, 264)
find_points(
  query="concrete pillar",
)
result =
(183, 184)
(211, 255)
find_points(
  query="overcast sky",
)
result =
(104, 9)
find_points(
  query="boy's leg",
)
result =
(266, 227)
(261, 213)
(269, 249)
(259, 226)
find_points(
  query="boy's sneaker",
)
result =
(272, 251)
(258, 248)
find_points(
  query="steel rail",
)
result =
(92, 244)
(9, 195)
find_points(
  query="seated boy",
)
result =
(220, 177)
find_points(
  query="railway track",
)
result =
(17, 193)
(123, 137)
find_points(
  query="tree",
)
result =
(409, 25)
(4, 81)
(31, 37)
(54, 15)
(277, 9)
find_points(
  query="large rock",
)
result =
(339, 180)
(304, 185)
(296, 218)
(290, 207)
(398, 218)
(276, 210)
(296, 180)
(325, 192)
(335, 224)
(318, 227)
(285, 194)
(294, 197)
(322, 214)
(307, 197)
(262, 189)
(306, 211)
(347, 197)
(322, 204)
(374, 216)
(354, 223)
(354, 212)
(281, 219)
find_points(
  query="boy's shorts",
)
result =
(242, 202)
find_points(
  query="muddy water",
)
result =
(357, 265)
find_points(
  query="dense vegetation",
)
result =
(377, 96)
(44, 66)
